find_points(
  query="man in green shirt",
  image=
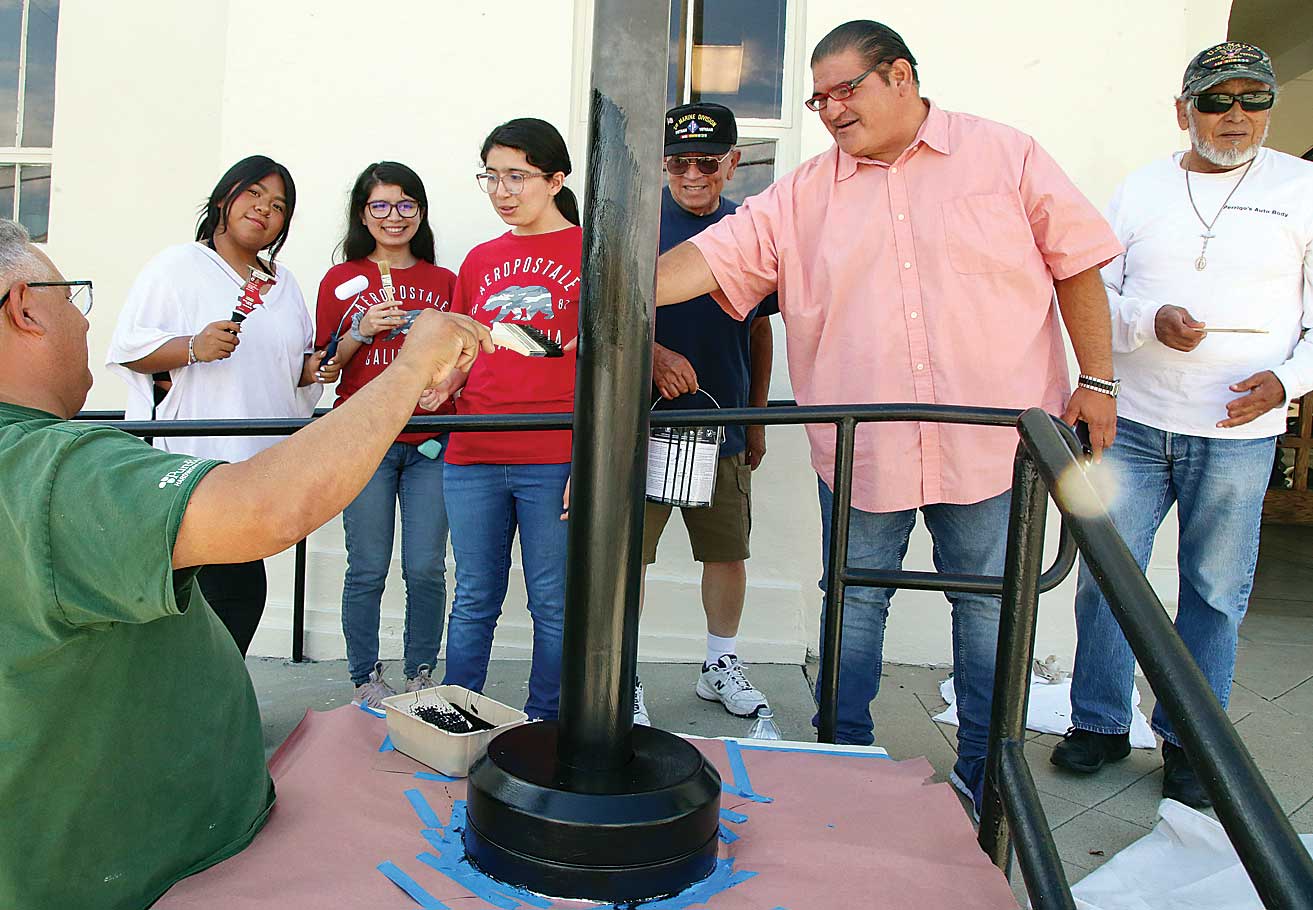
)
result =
(130, 744)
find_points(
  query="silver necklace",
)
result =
(1202, 262)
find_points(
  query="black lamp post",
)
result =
(590, 806)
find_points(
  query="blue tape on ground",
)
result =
(730, 815)
(374, 711)
(473, 881)
(423, 809)
(858, 752)
(386, 744)
(727, 835)
(411, 887)
(425, 775)
(742, 784)
(720, 880)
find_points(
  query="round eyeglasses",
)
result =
(513, 181)
(406, 208)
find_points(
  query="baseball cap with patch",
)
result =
(700, 128)
(1229, 60)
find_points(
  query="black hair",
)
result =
(544, 148)
(358, 242)
(875, 42)
(235, 181)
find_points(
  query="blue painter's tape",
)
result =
(411, 887)
(722, 879)
(730, 815)
(386, 744)
(425, 775)
(858, 752)
(742, 784)
(727, 835)
(479, 885)
(423, 809)
(374, 711)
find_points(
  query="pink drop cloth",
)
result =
(844, 832)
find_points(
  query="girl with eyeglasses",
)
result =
(218, 329)
(388, 234)
(498, 483)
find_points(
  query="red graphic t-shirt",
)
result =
(531, 280)
(422, 286)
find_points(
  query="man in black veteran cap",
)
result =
(1210, 306)
(700, 349)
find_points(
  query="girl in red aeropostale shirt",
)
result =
(498, 483)
(388, 276)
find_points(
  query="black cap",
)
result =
(700, 128)
(1230, 60)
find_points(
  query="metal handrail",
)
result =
(1277, 863)
(1271, 852)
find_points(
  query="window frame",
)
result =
(20, 155)
(785, 131)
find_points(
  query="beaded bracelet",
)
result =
(191, 350)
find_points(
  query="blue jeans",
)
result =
(415, 481)
(1218, 487)
(967, 538)
(487, 502)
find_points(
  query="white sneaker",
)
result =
(422, 679)
(372, 691)
(725, 682)
(640, 709)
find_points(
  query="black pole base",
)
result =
(645, 830)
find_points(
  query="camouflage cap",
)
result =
(1229, 60)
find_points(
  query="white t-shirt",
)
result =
(1259, 275)
(179, 292)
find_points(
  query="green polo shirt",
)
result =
(130, 746)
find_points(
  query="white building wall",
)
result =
(155, 100)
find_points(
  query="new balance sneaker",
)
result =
(422, 679)
(1085, 752)
(725, 682)
(372, 691)
(640, 709)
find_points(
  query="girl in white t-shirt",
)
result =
(184, 355)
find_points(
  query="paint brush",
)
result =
(251, 294)
(1237, 331)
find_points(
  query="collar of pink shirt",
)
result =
(933, 132)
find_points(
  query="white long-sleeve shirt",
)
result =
(1259, 275)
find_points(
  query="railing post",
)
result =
(298, 605)
(1016, 644)
(836, 566)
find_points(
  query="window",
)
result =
(28, 29)
(735, 53)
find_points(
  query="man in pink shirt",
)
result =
(916, 261)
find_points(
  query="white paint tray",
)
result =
(448, 753)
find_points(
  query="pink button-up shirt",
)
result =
(930, 281)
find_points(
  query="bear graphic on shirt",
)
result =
(521, 304)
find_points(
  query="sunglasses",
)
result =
(1221, 102)
(679, 165)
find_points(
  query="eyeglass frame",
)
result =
(1236, 98)
(91, 294)
(692, 162)
(824, 98)
(392, 207)
(494, 179)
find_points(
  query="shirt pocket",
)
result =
(986, 233)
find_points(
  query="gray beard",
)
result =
(1222, 157)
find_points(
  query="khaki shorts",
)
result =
(719, 532)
